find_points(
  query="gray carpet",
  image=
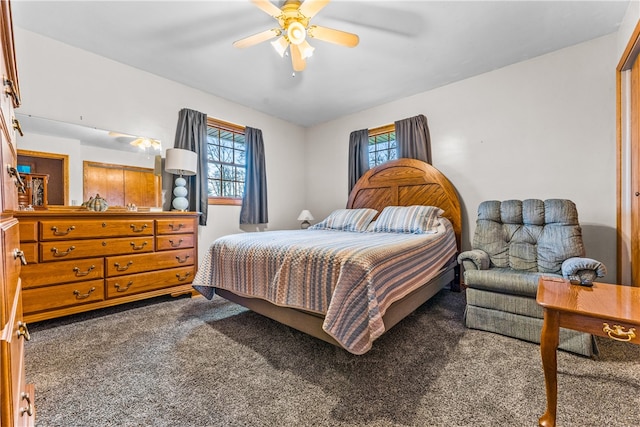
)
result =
(194, 362)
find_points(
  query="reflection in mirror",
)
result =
(79, 144)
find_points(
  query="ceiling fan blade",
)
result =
(268, 7)
(299, 64)
(121, 135)
(333, 36)
(309, 8)
(257, 38)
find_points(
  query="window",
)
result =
(382, 145)
(226, 162)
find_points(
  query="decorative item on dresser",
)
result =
(181, 162)
(16, 396)
(81, 260)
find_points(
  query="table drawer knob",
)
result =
(618, 333)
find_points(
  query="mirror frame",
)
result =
(53, 156)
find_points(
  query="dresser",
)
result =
(79, 260)
(16, 396)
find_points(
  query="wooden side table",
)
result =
(606, 310)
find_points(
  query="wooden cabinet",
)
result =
(35, 192)
(16, 396)
(82, 260)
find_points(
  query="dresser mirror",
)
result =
(81, 161)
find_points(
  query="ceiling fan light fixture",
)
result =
(280, 45)
(306, 49)
(144, 143)
(296, 33)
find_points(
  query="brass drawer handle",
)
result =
(138, 230)
(618, 333)
(137, 248)
(23, 331)
(176, 227)
(62, 233)
(120, 288)
(83, 296)
(17, 253)
(16, 126)
(29, 409)
(183, 260)
(84, 273)
(10, 91)
(183, 278)
(57, 253)
(120, 268)
(175, 245)
(13, 172)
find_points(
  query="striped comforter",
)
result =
(351, 278)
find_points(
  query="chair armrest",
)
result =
(583, 269)
(474, 260)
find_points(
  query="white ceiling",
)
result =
(406, 47)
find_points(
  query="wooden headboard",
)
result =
(406, 182)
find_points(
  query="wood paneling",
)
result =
(121, 185)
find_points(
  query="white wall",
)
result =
(543, 128)
(627, 26)
(64, 83)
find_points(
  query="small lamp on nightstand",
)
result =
(181, 162)
(305, 216)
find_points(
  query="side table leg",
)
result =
(548, 350)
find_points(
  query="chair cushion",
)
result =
(529, 235)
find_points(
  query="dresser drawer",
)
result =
(71, 271)
(86, 228)
(30, 251)
(10, 246)
(64, 295)
(72, 249)
(141, 282)
(174, 226)
(177, 241)
(28, 231)
(15, 352)
(128, 264)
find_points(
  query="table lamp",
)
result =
(181, 162)
(305, 216)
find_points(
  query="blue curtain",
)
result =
(191, 134)
(412, 138)
(254, 201)
(358, 155)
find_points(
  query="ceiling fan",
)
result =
(294, 19)
(139, 141)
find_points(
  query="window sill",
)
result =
(224, 201)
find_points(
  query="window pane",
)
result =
(214, 189)
(226, 155)
(382, 148)
(226, 162)
(214, 171)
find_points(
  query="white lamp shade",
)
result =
(305, 215)
(181, 162)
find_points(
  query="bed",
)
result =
(345, 287)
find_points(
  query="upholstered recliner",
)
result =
(515, 243)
